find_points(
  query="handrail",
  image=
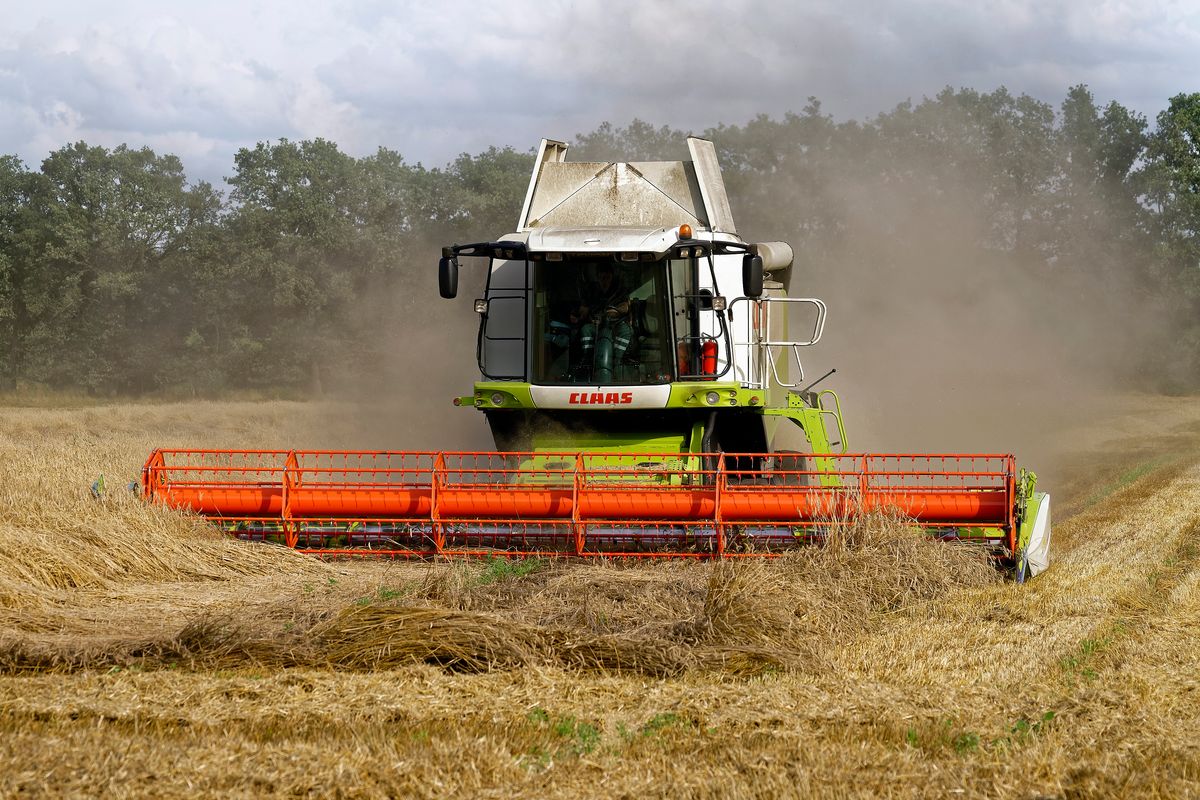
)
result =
(762, 348)
(481, 496)
(836, 411)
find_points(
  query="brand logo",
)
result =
(600, 398)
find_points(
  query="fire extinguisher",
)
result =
(681, 355)
(708, 357)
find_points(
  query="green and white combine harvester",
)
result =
(637, 370)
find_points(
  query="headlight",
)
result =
(712, 398)
(497, 399)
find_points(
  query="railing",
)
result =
(762, 351)
(646, 504)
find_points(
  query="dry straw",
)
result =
(743, 617)
(879, 664)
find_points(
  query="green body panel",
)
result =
(556, 469)
(514, 394)
(1029, 501)
(624, 448)
(811, 419)
(561, 441)
(1032, 507)
(808, 411)
(731, 395)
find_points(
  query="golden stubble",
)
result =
(146, 655)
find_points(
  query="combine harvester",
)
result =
(636, 368)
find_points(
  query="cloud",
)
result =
(433, 80)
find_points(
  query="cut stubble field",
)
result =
(143, 654)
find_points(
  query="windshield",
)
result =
(600, 320)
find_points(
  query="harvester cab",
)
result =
(637, 360)
(626, 313)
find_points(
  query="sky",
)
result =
(432, 80)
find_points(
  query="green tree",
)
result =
(117, 275)
(14, 181)
(638, 141)
(489, 189)
(1097, 213)
(1171, 181)
(104, 248)
(294, 231)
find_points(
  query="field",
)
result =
(141, 654)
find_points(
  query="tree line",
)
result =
(119, 275)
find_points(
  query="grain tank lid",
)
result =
(711, 184)
(638, 194)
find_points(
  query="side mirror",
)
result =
(752, 275)
(448, 276)
(706, 300)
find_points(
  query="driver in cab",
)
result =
(603, 307)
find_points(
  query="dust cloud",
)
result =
(944, 345)
(943, 340)
(397, 393)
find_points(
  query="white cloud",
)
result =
(433, 80)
